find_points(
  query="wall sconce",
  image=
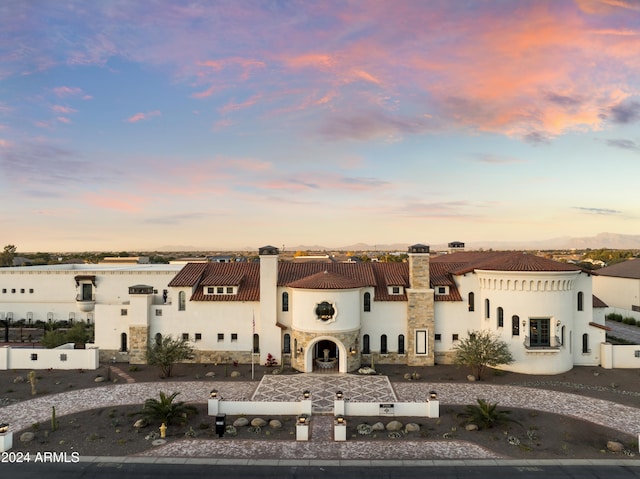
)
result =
(339, 395)
(558, 323)
(433, 395)
(340, 419)
(4, 427)
(302, 420)
(213, 394)
(353, 351)
(306, 394)
(524, 323)
(300, 350)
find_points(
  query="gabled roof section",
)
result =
(291, 272)
(390, 274)
(501, 261)
(627, 269)
(441, 276)
(598, 303)
(327, 280)
(197, 275)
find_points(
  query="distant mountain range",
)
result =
(601, 240)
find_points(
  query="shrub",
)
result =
(614, 317)
(485, 415)
(165, 410)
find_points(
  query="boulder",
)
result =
(210, 374)
(99, 379)
(378, 427)
(235, 374)
(240, 422)
(412, 427)
(615, 446)
(140, 423)
(471, 427)
(275, 424)
(258, 422)
(394, 426)
(18, 379)
(407, 375)
(27, 436)
(471, 377)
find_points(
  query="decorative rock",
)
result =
(471, 377)
(159, 442)
(241, 422)
(18, 379)
(394, 426)
(471, 427)
(210, 374)
(615, 446)
(367, 370)
(235, 374)
(412, 427)
(275, 424)
(27, 436)
(258, 422)
(140, 423)
(99, 379)
(407, 376)
(377, 427)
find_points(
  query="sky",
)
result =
(139, 125)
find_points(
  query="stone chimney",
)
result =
(420, 309)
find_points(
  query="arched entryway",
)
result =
(326, 354)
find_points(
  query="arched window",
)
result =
(367, 302)
(487, 308)
(562, 335)
(585, 343)
(366, 347)
(256, 343)
(123, 342)
(285, 301)
(500, 317)
(383, 344)
(158, 338)
(286, 345)
(580, 301)
(472, 302)
(515, 325)
(182, 301)
(401, 344)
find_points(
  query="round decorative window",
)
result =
(325, 311)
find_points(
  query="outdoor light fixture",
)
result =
(4, 427)
(213, 394)
(306, 394)
(524, 323)
(340, 419)
(433, 395)
(300, 350)
(339, 395)
(302, 420)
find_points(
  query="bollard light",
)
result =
(433, 395)
(213, 394)
(302, 420)
(339, 395)
(306, 394)
(4, 427)
(340, 419)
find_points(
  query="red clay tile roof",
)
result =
(502, 261)
(327, 280)
(197, 275)
(598, 303)
(627, 269)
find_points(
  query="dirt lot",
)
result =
(109, 431)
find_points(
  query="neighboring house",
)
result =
(619, 287)
(317, 315)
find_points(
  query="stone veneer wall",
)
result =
(445, 357)
(389, 358)
(138, 341)
(420, 309)
(305, 338)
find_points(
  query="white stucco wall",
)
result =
(345, 302)
(618, 293)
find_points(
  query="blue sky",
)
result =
(232, 124)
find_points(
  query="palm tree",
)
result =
(165, 410)
(485, 415)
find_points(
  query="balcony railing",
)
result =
(554, 343)
(81, 297)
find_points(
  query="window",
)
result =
(285, 302)
(123, 342)
(286, 344)
(210, 290)
(158, 312)
(63, 357)
(539, 332)
(158, 338)
(438, 337)
(580, 301)
(562, 336)
(441, 290)
(401, 344)
(124, 312)
(472, 302)
(185, 336)
(34, 357)
(395, 290)
(454, 337)
(220, 337)
(515, 325)
(234, 337)
(500, 317)
(13, 290)
(229, 289)
(585, 344)
(366, 348)
(4, 290)
(22, 290)
(87, 292)
(383, 344)
(219, 290)
(367, 302)
(31, 290)
(198, 336)
(256, 343)
(487, 308)
(182, 301)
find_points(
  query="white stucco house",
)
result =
(619, 287)
(324, 315)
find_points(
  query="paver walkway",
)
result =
(597, 411)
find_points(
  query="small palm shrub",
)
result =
(166, 410)
(485, 415)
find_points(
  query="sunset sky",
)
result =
(131, 124)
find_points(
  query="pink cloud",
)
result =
(63, 119)
(143, 116)
(116, 200)
(63, 91)
(233, 106)
(63, 109)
